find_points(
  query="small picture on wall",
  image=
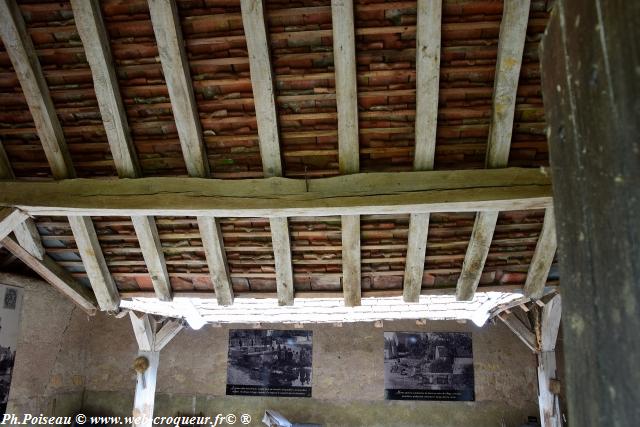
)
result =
(269, 363)
(428, 366)
(10, 298)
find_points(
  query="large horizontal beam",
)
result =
(357, 194)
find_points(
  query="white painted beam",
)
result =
(166, 333)
(90, 25)
(23, 56)
(255, 31)
(142, 330)
(10, 218)
(548, 401)
(94, 263)
(166, 26)
(213, 244)
(542, 257)
(151, 248)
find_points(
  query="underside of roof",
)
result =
(300, 41)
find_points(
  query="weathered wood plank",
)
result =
(282, 256)
(55, 275)
(513, 31)
(476, 255)
(90, 25)
(550, 323)
(9, 219)
(94, 263)
(416, 249)
(28, 237)
(144, 399)
(548, 402)
(520, 330)
(590, 86)
(262, 84)
(344, 58)
(6, 172)
(216, 258)
(427, 81)
(151, 249)
(168, 331)
(351, 276)
(23, 56)
(378, 193)
(142, 330)
(166, 27)
(542, 257)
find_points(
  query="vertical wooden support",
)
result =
(590, 62)
(549, 403)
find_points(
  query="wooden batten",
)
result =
(166, 27)
(55, 275)
(24, 59)
(94, 263)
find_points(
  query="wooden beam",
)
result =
(168, 331)
(213, 244)
(262, 84)
(369, 193)
(477, 252)
(94, 263)
(57, 276)
(23, 56)
(151, 248)
(6, 172)
(542, 257)
(144, 399)
(344, 58)
(513, 31)
(520, 330)
(9, 219)
(143, 331)
(90, 25)
(282, 257)
(166, 26)
(550, 323)
(351, 260)
(416, 249)
(427, 81)
(28, 237)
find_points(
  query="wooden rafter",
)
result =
(282, 256)
(344, 57)
(94, 263)
(216, 258)
(151, 248)
(262, 84)
(513, 31)
(24, 59)
(166, 26)
(542, 257)
(427, 88)
(9, 220)
(90, 25)
(89, 22)
(55, 275)
(368, 193)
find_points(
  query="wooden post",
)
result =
(548, 401)
(590, 61)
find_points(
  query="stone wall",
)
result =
(67, 362)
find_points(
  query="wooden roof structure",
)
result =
(240, 148)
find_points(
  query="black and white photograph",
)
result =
(428, 366)
(269, 363)
(9, 329)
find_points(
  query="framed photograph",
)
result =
(269, 363)
(10, 298)
(428, 366)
